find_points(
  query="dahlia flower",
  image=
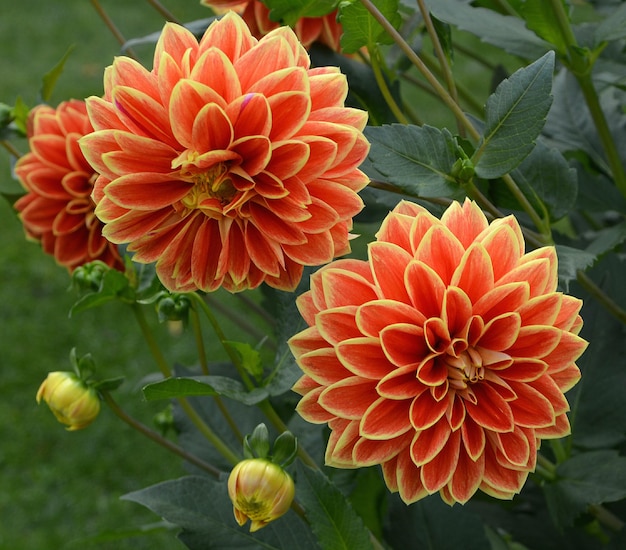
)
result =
(57, 208)
(260, 491)
(444, 357)
(325, 29)
(73, 402)
(229, 164)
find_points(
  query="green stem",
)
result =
(197, 330)
(112, 27)
(597, 114)
(232, 354)
(161, 362)
(10, 148)
(422, 68)
(559, 451)
(581, 68)
(441, 56)
(384, 89)
(605, 517)
(545, 467)
(239, 320)
(602, 297)
(157, 438)
(168, 15)
(543, 227)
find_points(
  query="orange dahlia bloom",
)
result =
(325, 29)
(57, 208)
(444, 357)
(231, 163)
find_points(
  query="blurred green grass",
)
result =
(61, 489)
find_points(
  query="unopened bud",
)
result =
(260, 491)
(73, 402)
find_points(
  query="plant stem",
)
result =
(441, 56)
(161, 362)
(605, 517)
(232, 354)
(546, 468)
(10, 148)
(157, 438)
(384, 89)
(540, 224)
(112, 27)
(168, 15)
(581, 68)
(430, 77)
(197, 330)
(602, 297)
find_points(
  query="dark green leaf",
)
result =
(540, 18)
(360, 29)
(289, 11)
(203, 385)
(50, 78)
(416, 159)
(515, 114)
(432, 524)
(89, 301)
(545, 175)
(201, 507)
(589, 478)
(570, 261)
(504, 31)
(607, 239)
(613, 27)
(332, 519)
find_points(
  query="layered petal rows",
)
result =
(325, 29)
(231, 162)
(444, 357)
(57, 208)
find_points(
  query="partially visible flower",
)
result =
(57, 208)
(229, 164)
(325, 29)
(444, 357)
(73, 402)
(260, 491)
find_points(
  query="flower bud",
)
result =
(73, 402)
(260, 491)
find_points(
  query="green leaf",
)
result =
(331, 517)
(571, 260)
(545, 175)
(361, 29)
(613, 27)
(589, 478)
(416, 159)
(432, 524)
(201, 507)
(515, 114)
(607, 239)
(250, 358)
(504, 31)
(50, 78)
(540, 18)
(203, 385)
(289, 11)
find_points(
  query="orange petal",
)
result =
(440, 250)
(467, 477)
(349, 398)
(341, 287)
(323, 366)
(428, 443)
(531, 409)
(338, 324)
(368, 453)
(426, 411)
(474, 274)
(364, 357)
(491, 411)
(466, 222)
(419, 276)
(438, 472)
(386, 419)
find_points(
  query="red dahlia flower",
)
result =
(231, 163)
(57, 208)
(444, 357)
(325, 29)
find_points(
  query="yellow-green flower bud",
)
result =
(73, 402)
(260, 491)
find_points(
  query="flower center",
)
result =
(214, 183)
(465, 369)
